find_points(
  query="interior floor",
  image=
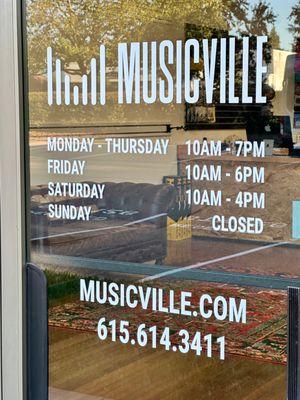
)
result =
(83, 368)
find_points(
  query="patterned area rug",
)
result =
(263, 337)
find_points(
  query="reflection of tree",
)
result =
(75, 28)
(274, 39)
(254, 21)
(261, 17)
(294, 26)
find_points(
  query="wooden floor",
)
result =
(96, 370)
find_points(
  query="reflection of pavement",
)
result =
(243, 256)
(212, 260)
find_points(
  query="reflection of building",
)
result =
(281, 78)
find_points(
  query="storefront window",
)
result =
(164, 144)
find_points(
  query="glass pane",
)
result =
(164, 144)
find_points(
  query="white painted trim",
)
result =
(11, 170)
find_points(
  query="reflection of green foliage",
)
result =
(43, 115)
(261, 17)
(64, 289)
(294, 26)
(55, 277)
(274, 39)
(61, 284)
(199, 32)
(76, 28)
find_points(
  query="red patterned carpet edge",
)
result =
(263, 337)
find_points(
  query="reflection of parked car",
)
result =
(129, 224)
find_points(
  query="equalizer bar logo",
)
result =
(63, 86)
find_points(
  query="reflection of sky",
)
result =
(282, 9)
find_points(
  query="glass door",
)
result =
(164, 145)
